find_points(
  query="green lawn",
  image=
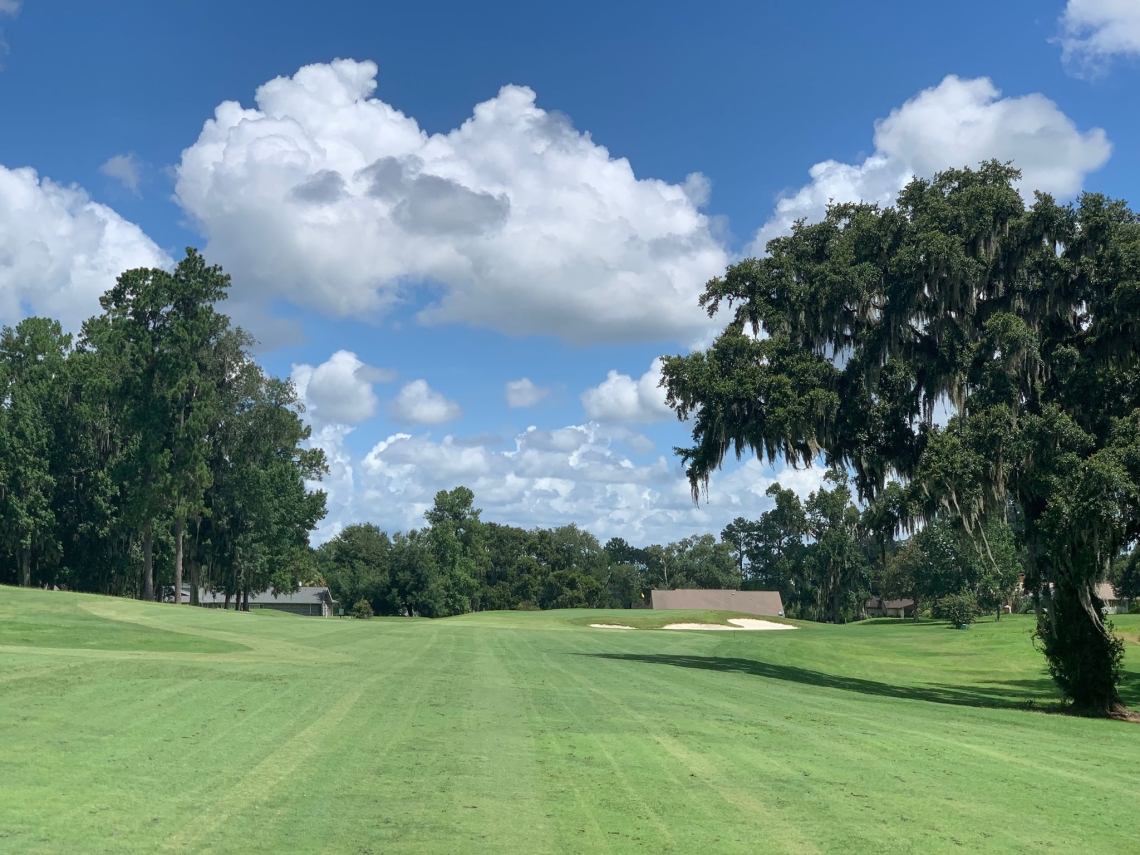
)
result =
(127, 727)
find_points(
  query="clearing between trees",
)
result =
(138, 727)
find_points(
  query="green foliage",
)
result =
(1023, 319)
(1127, 580)
(32, 398)
(959, 609)
(156, 438)
(361, 609)
(836, 567)
(356, 565)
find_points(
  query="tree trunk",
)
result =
(195, 582)
(26, 567)
(148, 563)
(1084, 657)
(179, 530)
(916, 609)
(226, 605)
(245, 600)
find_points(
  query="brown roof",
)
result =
(747, 602)
(877, 603)
(1106, 592)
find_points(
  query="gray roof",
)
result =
(879, 603)
(748, 602)
(305, 595)
(1106, 592)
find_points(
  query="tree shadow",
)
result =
(1034, 694)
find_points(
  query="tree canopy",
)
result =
(982, 350)
(157, 434)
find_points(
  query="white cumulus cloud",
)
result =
(59, 251)
(332, 198)
(957, 123)
(419, 404)
(339, 390)
(1093, 32)
(126, 169)
(620, 398)
(576, 474)
(524, 393)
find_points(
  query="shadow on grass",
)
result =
(1038, 694)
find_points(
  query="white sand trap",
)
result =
(753, 624)
(610, 626)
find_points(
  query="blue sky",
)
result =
(404, 261)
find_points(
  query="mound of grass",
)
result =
(59, 620)
(531, 733)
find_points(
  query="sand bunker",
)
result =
(737, 624)
(610, 626)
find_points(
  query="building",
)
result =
(315, 601)
(878, 607)
(1113, 605)
(746, 602)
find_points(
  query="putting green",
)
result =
(130, 727)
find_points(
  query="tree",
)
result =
(158, 332)
(1021, 319)
(900, 575)
(835, 566)
(416, 582)
(456, 535)
(740, 535)
(778, 549)
(32, 389)
(885, 516)
(513, 574)
(1127, 581)
(701, 561)
(258, 510)
(355, 566)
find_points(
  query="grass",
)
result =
(128, 727)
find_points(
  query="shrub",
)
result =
(959, 609)
(361, 609)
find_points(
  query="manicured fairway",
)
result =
(127, 727)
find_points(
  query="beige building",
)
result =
(745, 602)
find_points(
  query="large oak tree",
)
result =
(1020, 321)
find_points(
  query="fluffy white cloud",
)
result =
(419, 404)
(620, 398)
(548, 478)
(1095, 31)
(126, 169)
(956, 123)
(10, 7)
(524, 393)
(59, 251)
(334, 199)
(340, 389)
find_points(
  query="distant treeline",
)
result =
(152, 445)
(825, 556)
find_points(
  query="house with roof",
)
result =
(1113, 605)
(880, 607)
(746, 602)
(310, 600)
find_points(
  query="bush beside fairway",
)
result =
(131, 727)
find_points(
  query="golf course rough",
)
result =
(131, 727)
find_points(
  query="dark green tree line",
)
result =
(156, 435)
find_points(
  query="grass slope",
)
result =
(128, 727)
